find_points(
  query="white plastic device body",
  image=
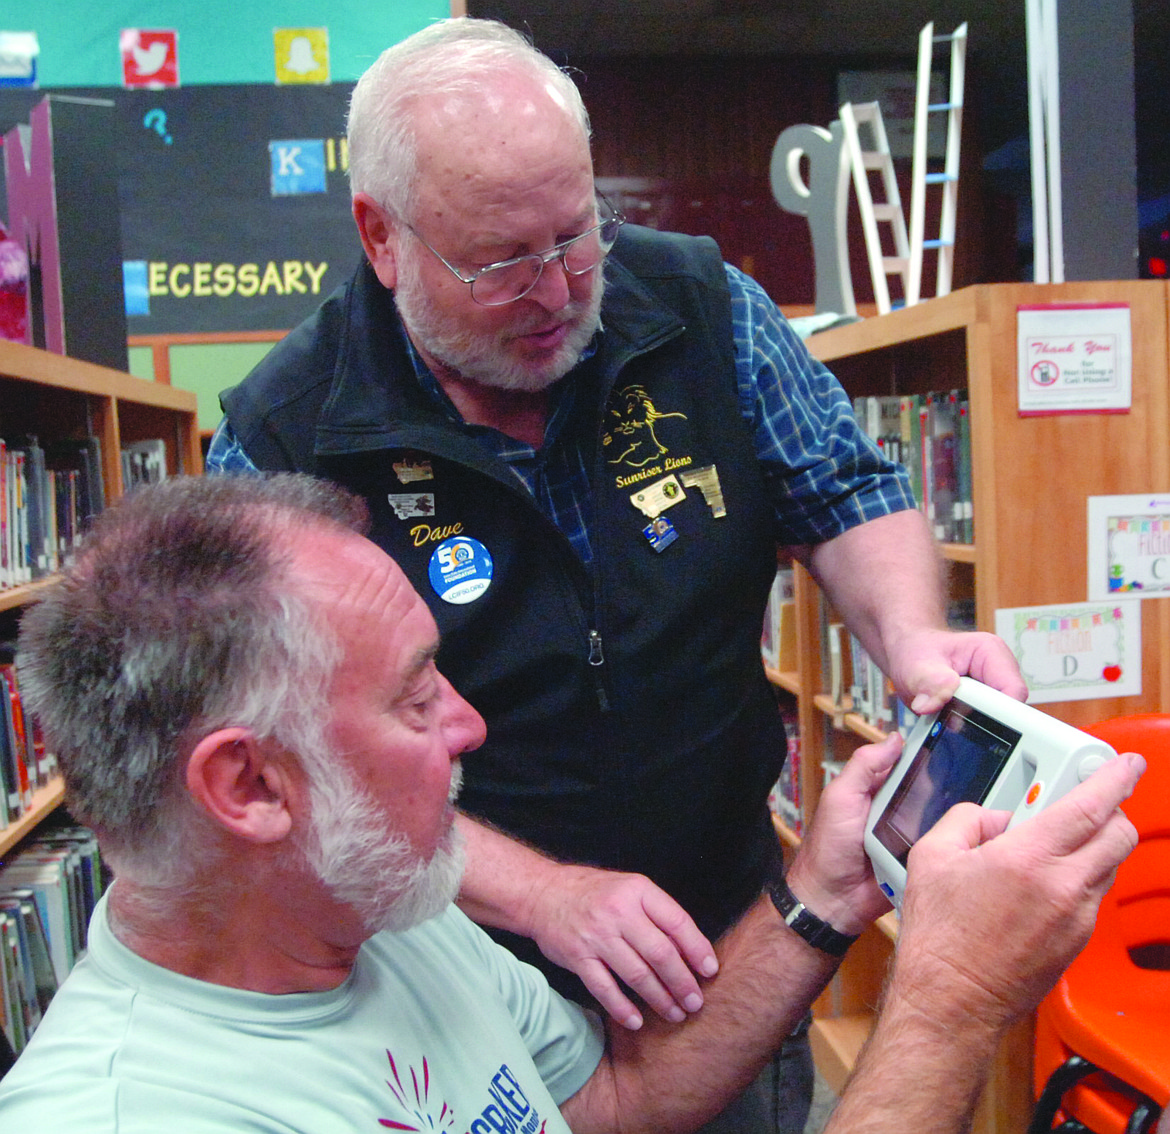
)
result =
(981, 747)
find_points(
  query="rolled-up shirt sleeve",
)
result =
(824, 474)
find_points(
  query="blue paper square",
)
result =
(297, 167)
(135, 287)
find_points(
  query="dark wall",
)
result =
(690, 140)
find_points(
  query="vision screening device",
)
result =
(981, 747)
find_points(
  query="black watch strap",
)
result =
(803, 922)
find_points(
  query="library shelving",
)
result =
(1031, 476)
(56, 398)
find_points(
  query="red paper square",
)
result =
(150, 58)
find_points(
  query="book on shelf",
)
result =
(16, 547)
(15, 750)
(15, 1011)
(870, 689)
(48, 891)
(25, 763)
(143, 462)
(778, 636)
(784, 800)
(80, 482)
(929, 434)
(838, 676)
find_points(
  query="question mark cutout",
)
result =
(156, 120)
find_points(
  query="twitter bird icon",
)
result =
(150, 58)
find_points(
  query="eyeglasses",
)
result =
(509, 280)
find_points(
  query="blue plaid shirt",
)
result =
(825, 476)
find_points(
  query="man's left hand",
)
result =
(603, 924)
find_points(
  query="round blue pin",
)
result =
(460, 570)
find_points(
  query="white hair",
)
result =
(452, 57)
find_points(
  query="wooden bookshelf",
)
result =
(1031, 479)
(55, 398)
(45, 801)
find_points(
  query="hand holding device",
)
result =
(981, 747)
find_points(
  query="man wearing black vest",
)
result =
(583, 442)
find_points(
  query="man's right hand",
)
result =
(992, 917)
(990, 920)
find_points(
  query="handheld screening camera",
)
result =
(981, 747)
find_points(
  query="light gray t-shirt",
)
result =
(436, 1028)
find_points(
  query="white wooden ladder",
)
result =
(948, 178)
(876, 159)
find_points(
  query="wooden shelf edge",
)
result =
(829, 707)
(958, 552)
(784, 832)
(22, 595)
(844, 717)
(952, 312)
(31, 364)
(786, 679)
(44, 802)
(836, 1043)
(854, 722)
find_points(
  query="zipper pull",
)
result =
(595, 655)
(597, 659)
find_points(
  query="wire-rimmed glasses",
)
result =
(509, 280)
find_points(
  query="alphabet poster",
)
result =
(1077, 651)
(1129, 546)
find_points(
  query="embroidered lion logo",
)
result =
(630, 437)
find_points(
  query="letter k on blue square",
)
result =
(297, 167)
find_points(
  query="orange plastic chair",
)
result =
(1102, 1053)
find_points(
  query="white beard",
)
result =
(375, 871)
(482, 357)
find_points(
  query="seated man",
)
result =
(243, 693)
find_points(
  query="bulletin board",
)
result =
(234, 201)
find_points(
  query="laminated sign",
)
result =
(1074, 358)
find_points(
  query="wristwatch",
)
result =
(804, 923)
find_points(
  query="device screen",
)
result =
(958, 762)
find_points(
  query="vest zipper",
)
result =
(597, 659)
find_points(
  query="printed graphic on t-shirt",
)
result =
(506, 1106)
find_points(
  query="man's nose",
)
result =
(463, 728)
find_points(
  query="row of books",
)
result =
(854, 683)
(871, 694)
(25, 763)
(48, 891)
(784, 799)
(931, 435)
(49, 494)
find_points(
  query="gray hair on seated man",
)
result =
(133, 656)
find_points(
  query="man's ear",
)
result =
(379, 235)
(242, 784)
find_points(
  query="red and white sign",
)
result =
(1074, 358)
(150, 58)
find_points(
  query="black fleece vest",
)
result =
(629, 723)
